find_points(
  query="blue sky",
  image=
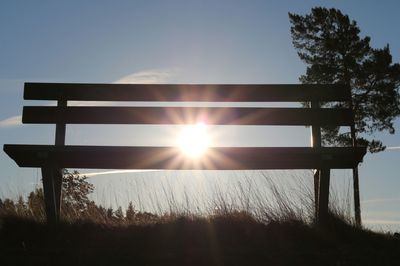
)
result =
(174, 42)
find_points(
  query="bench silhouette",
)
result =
(53, 158)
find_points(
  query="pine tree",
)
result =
(119, 214)
(330, 45)
(2, 209)
(21, 207)
(8, 207)
(130, 212)
(109, 214)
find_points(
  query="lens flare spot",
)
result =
(194, 140)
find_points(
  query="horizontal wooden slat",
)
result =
(186, 115)
(187, 92)
(233, 158)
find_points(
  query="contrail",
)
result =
(373, 221)
(380, 200)
(393, 148)
(115, 172)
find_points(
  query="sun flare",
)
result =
(194, 140)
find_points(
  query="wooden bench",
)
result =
(53, 158)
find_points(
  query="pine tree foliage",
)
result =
(21, 207)
(130, 212)
(119, 214)
(330, 45)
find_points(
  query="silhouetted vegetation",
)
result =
(231, 239)
(330, 44)
(76, 205)
(95, 235)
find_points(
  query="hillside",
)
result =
(230, 239)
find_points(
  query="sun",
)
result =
(194, 140)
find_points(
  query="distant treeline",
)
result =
(76, 204)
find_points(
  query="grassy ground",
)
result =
(226, 239)
(249, 227)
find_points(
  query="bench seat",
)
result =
(229, 158)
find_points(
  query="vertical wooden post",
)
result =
(60, 128)
(316, 143)
(323, 197)
(317, 174)
(356, 188)
(52, 177)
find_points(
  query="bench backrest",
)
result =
(316, 117)
(63, 114)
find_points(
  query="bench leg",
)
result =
(316, 191)
(357, 208)
(323, 196)
(52, 182)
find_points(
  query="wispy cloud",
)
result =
(115, 172)
(141, 77)
(382, 200)
(13, 121)
(150, 76)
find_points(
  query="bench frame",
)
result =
(53, 158)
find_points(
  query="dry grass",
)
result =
(246, 226)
